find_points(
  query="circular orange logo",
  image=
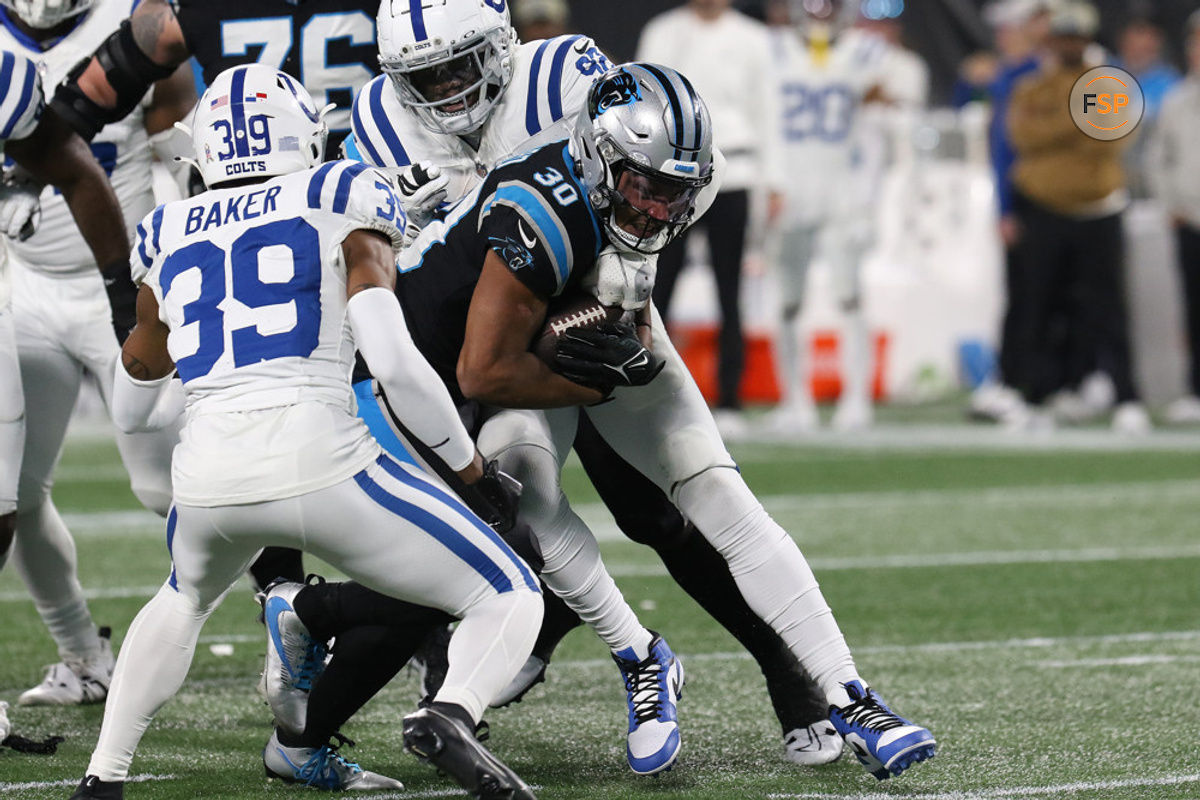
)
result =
(1107, 103)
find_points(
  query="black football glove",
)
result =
(605, 357)
(494, 497)
(122, 299)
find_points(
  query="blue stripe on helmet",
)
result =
(417, 15)
(237, 107)
(676, 109)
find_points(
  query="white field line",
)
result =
(944, 647)
(14, 787)
(978, 558)
(998, 792)
(1125, 661)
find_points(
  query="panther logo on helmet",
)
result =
(644, 149)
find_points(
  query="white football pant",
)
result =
(388, 527)
(63, 327)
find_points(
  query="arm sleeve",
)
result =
(536, 253)
(418, 395)
(144, 405)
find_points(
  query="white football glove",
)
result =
(421, 188)
(20, 205)
(621, 278)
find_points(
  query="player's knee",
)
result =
(524, 543)
(154, 496)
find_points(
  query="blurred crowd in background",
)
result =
(964, 235)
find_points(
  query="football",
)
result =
(578, 310)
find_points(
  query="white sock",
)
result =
(154, 659)
(791, 362)
(573, 567)
(856, 362)
(772, 575)
(44, 557)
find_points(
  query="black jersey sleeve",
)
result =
(540, 227)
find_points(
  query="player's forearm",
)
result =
(106, 87)
(520, 381)
(418, 395)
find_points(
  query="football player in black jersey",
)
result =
(476, 289)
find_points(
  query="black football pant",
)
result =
(1189, 267)
(725, 227)
(1072, 282)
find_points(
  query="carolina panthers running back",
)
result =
(506, 92)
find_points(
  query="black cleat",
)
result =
(92, 788)
(447, 744)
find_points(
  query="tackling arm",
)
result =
(55, 154)
(107, 86)
(382, 337)
(495, 365)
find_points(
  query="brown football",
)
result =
(579, 310)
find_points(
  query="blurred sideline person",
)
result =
(328, 44)
(433, 116)
(540, 19)
(727, 55)
(1140, 52)
(1020, 28)
(63, 329)
(1173, 164)
(827, 71)
(1071, 195)
(272, 452)
(636, 162)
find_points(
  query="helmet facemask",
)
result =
(645, 209)
(456, 92)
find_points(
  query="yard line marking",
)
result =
(1016, 791)
(14, 787)
(964, 559)
(1125, 661)
(1147, 637)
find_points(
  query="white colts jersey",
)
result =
(21, 104)
(252, 284)
(122, 148)
(550, 82)
(820, 99)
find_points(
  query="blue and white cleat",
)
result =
(294, 658)
(653, 687)
(321, 768)
(885, 743)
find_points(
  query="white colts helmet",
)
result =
(46, 13)
(256, 122)
(450, 60)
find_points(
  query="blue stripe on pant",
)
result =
(442, 530)
(375, 416)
